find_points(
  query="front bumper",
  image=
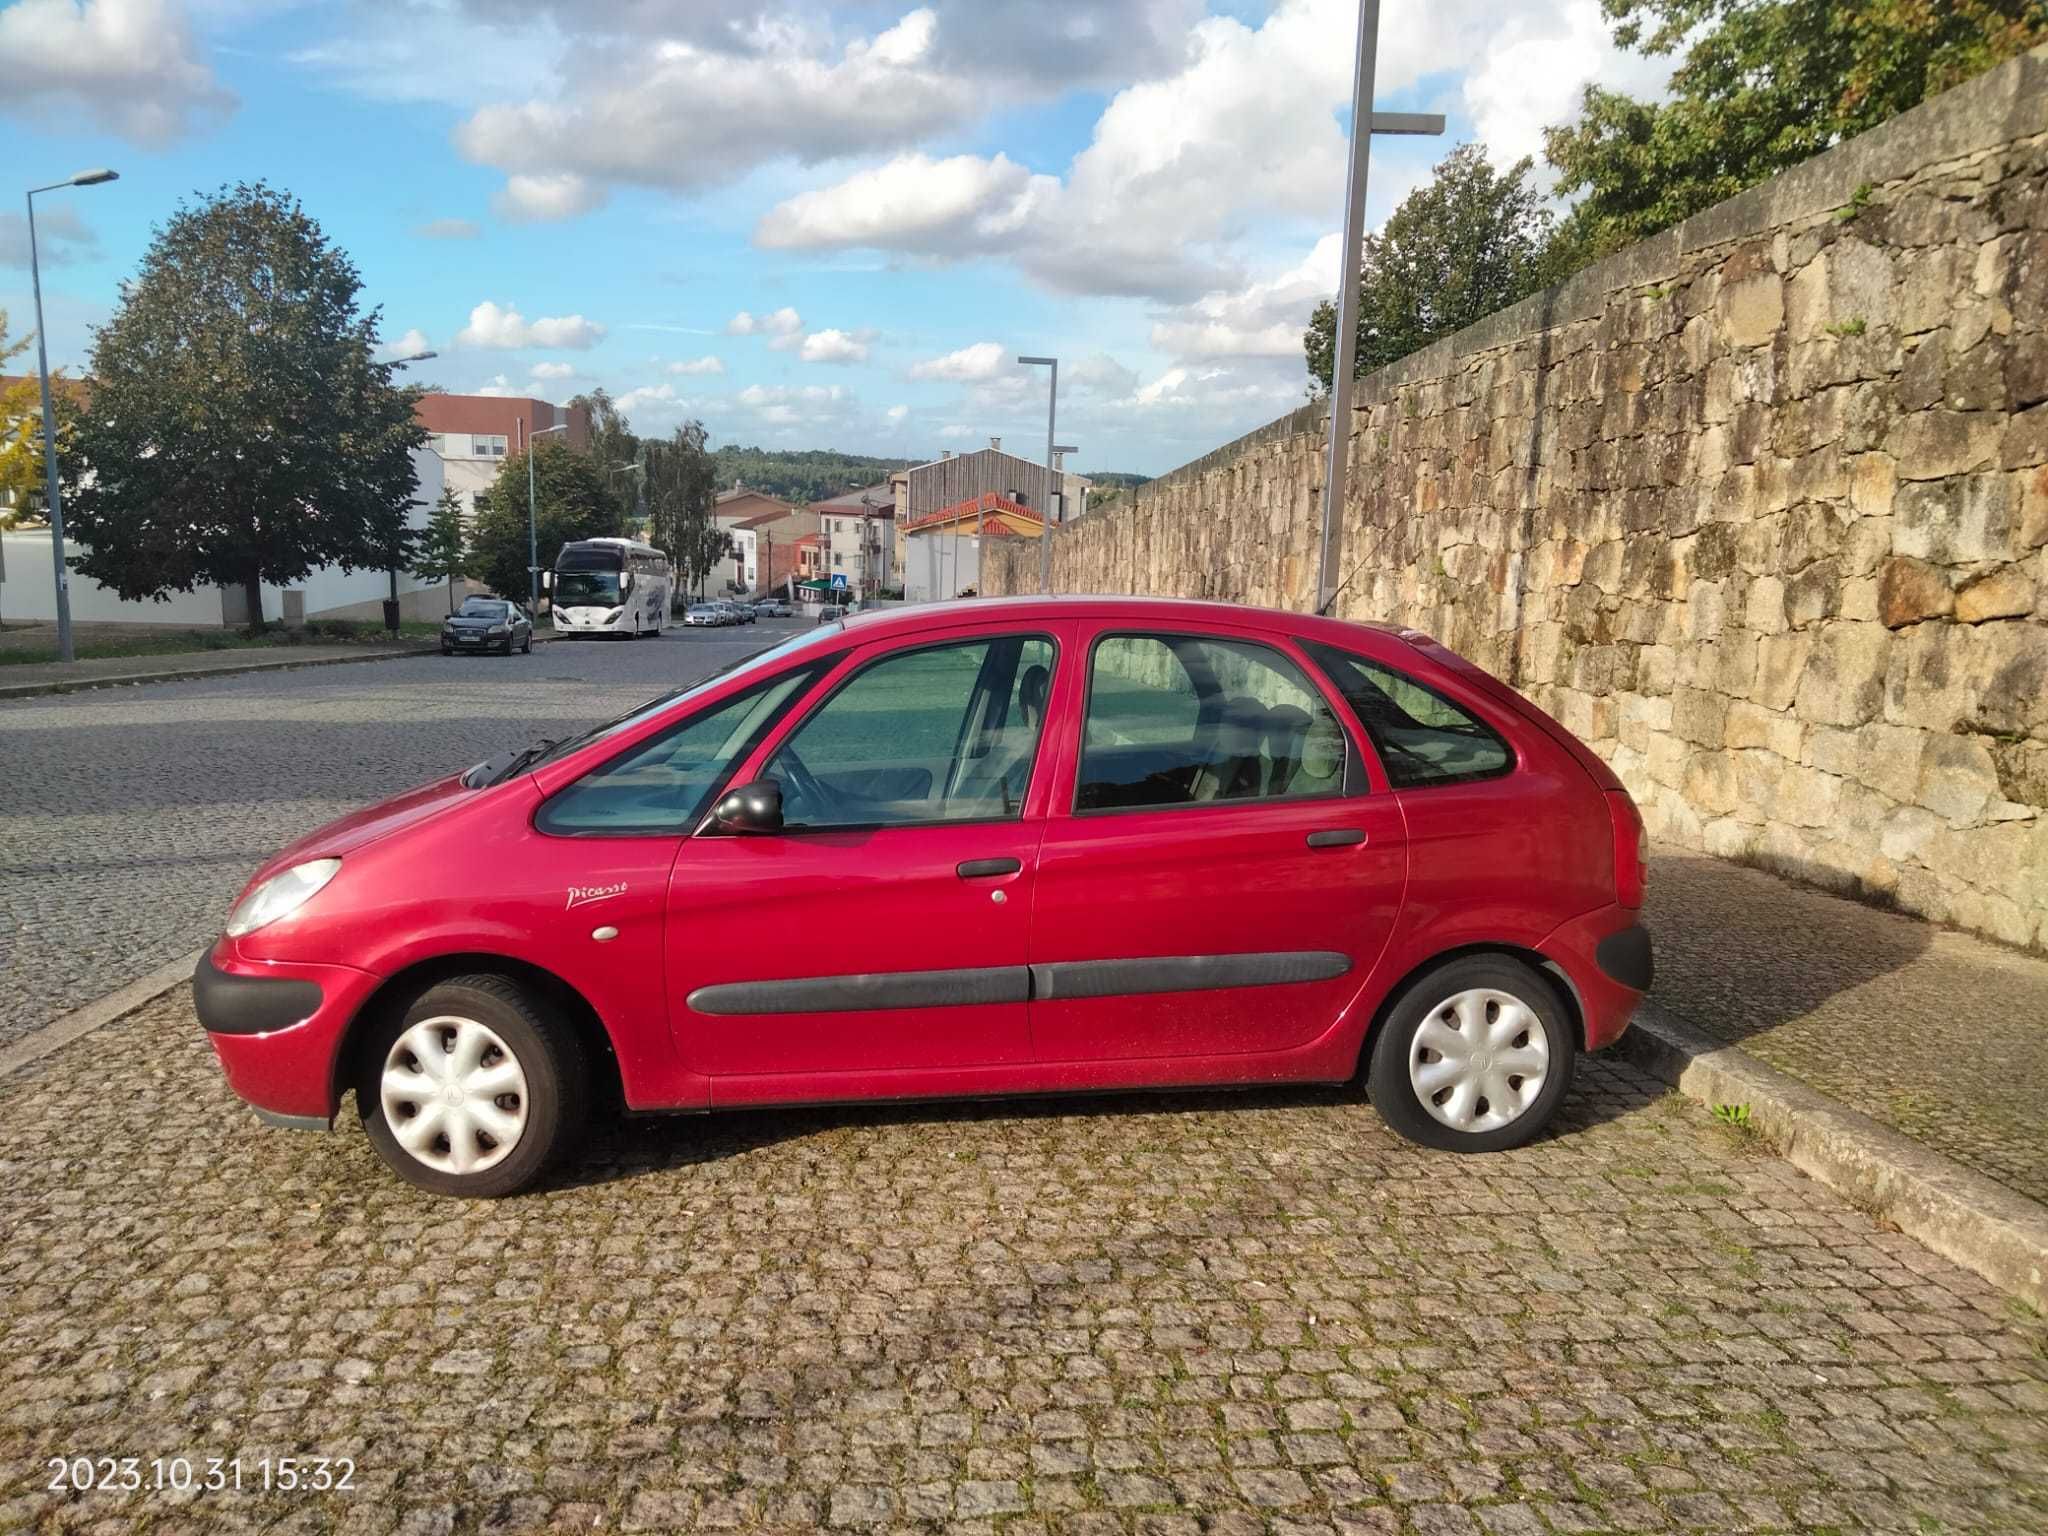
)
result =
(277, 1029)
(1605, 957)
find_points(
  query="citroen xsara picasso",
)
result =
(974, 848)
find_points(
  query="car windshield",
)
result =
(473, 609)
(492, 772)
(584, 588)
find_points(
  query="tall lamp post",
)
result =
(1052, 405)
(533, 520)
(82, 179)
(1364, 124)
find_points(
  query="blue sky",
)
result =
(807, 225)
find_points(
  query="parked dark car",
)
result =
(831, 613)
(487, 624)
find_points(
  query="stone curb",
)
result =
(97, 1014)
(1958, 1213)
(184, 674)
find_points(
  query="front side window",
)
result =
(664, 784)
(1189, 720)
(1422, 737)
(942, 733)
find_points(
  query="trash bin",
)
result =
(391, 614)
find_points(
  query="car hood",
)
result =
(352, 831)
(473, 621)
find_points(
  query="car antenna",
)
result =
(1323, 608)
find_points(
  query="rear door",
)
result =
(883, 933)
(1224, 867)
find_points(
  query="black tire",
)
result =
(545, 1049)
(527, 649)
(1400, 1102)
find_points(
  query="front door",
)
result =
(882, 934)
(1223, 880)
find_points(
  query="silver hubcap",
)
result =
(1479, 1060)
(454, 1095)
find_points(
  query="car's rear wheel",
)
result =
(476, 1089)
(1474, 1057)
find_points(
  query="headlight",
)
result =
(613, 615)
(500, 629)
(280, 896)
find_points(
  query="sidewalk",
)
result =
(112, 671)
(1935, 1034)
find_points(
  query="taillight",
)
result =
(1631, 849)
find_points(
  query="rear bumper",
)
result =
(1606, 958)
(277, 1029)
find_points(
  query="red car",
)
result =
(979, 848)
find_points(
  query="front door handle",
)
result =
(1337, 837)
(981, 869)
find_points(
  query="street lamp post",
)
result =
(1364, 124)
(391, 618)
(533, 520)
(1052, 405)
(50, 477)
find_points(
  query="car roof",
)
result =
(877, 623)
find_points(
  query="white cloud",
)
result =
(61, 237)
(130, 67)
(550, 371)
(983, 360)
(493, 326)
(833, 346)
(1259, 319)
(499, 386)
(698, 365)
(955, 430)
(790, 405)
(783, 322)
(1101, 374)
(411, 344)
(449, 229)
(911, 203)
(529, 199)
(1536, 69)
(654, 400)
(897, 415)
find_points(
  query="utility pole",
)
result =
(1364, 124)
(1052, 405)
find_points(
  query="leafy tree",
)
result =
(572, 500)
(1764, 85)
(1469, 242)
(240, 430)
(681, 486)
(443, 547)
(802, 475)
(21, 431)
(611, 435)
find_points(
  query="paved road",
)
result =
(1257, 1313)
(130, 818)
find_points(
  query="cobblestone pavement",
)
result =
(1937, 1034)
(1251, 1313)
(130, 818)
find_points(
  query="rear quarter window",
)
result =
(1422, 737)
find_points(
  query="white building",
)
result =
(858, 539)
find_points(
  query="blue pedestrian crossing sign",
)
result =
(839, 581)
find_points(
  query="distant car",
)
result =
(704, 616)
(1093, 844)
(742, 613)
(487, 624)
(831, 613)
(772, 608)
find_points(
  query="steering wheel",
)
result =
(809, 791)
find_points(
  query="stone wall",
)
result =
(1758, 508)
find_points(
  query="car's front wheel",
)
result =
(476, 1089)
(1474, 1057)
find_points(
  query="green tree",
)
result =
(1764, 84)
(1470, 241)
(443, 547)
(572, 500)
(802, 475)
(682, 485)
(240, 430)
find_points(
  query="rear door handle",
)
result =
(981, 869)
(1337, 837)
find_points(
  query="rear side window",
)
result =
(1188, 720)
(1422, 737)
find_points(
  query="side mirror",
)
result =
(547, 581)
(751, 808)
(626, 583)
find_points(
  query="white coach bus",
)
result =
(611, 587)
